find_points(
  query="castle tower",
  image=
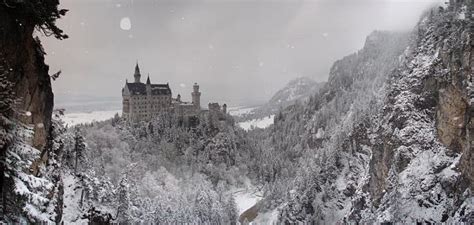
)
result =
(196, 96)
(148, 85)
(224, 108)
(137, 74)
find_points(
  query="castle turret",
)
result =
(196, 96)
(224, 108)
(137, 74)
(148, 85)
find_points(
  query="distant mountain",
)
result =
(299, 89)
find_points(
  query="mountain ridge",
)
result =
(383, 141)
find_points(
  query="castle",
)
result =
(144, 101)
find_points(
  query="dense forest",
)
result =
(386, 139)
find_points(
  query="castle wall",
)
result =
(145, 107)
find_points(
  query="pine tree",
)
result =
(123, 210)
(79, 147)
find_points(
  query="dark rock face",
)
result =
(454, 112)
(24, 58)
(22, 64)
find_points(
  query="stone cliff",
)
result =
(25, 112)
(23, 56)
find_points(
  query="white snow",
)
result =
(125, 23)
(257, 123)
(270, 217)
(246, 198)
(240, 110)
(72, 119)
(72, 196)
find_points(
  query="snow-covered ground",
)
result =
(72, 195)
(246, 198)
(269, 218)
(257, 123)
(240, 110)
(72, 119)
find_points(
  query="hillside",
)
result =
(387, 138)
(299, 89)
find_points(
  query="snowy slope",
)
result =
(71, 198)
(395, 147)
(299, 89)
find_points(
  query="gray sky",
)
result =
(239, 51)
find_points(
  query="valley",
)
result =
(386, 139)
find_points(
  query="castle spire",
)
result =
(137, 74)
(148, 79)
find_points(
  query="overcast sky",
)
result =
(239, 51)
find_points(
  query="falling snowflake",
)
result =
(125, 23)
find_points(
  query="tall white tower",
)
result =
(196, 96)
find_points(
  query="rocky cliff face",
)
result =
(419, 145)
(23, 56)
(400, 152)
(29, 187)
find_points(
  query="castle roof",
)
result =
(156, 89)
